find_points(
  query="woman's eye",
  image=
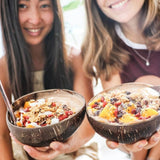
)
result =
(46, 6)
(22, 6)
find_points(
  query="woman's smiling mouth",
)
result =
(118, 4)
(33, 31)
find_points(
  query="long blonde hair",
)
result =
(100, 49)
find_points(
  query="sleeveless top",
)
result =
(38, 80)
(38, 83)
(136, 66)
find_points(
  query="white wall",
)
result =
(75, 23)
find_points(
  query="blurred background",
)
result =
(74, 21)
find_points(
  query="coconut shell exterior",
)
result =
(43, 136)
(125, 133)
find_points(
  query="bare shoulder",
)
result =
(75, 51)
(75, 57)
(82, 83)
(151, 79)
(3, 65)
(114, 80)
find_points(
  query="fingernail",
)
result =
(113, 145)
(54, 146)
(28, 149)
(156, 138)
(142, 144)
(11, 135)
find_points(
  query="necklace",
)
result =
(145, 59)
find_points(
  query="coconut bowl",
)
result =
(61, 131)
(127, 133)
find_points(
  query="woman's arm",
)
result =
(5, 141)
(83, 85)
(114, 81)
(139, 149)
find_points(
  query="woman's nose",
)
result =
(34, 16)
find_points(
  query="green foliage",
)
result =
(72, 5)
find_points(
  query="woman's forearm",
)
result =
(6, 148)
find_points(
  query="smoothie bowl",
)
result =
(126, 113)
(46, 116)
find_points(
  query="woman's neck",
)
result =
(133, 34)
(38, 57)
(133, 30)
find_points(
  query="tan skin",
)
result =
(139, 149)
(149, 79)
(128, 15)
(83, 86)
(38, 15)
(5, 141)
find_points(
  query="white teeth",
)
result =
(120, 4)
(34, 30)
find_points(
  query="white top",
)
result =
(127, 41)
(38, 75)
(38, 80)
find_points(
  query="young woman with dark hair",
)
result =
(37, 58)
(122, 44)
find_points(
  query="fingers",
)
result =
(111, 144)
(143, 144)
(38, 148)
(140, 149)
(37, 154)
(154, 153)
(127, 147)
(61, 147)
(14, 139)
(138, 146)
(153, 140)
(42, 148)
(140, 155)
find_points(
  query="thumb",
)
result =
(59, 146)
(154, 153)
(111, 144)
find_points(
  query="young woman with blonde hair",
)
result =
(122, 44)
(36, 58)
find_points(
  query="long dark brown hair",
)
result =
(56, 73)
(100, 49)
